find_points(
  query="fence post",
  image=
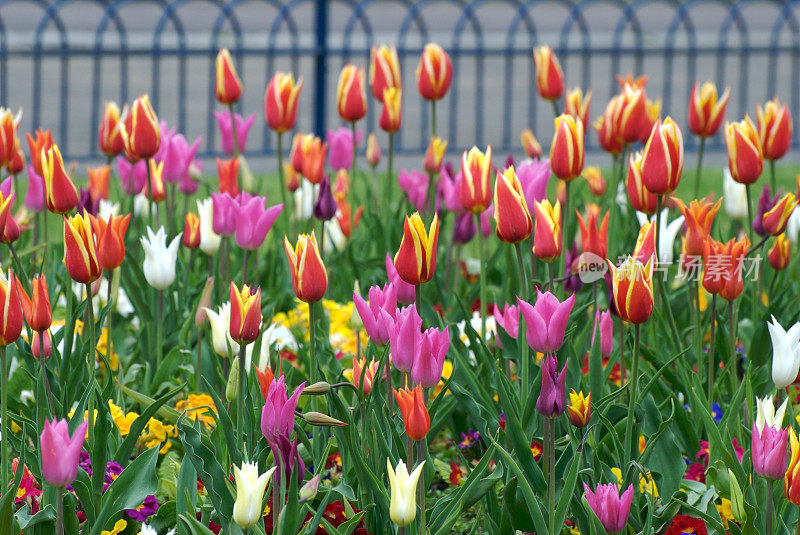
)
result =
(320, 67)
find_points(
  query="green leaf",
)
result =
(26, 520)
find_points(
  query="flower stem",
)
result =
(423, 523)
(46, 380)
(732, 356)
(312, 340)
(160, 329)
(565, 219)
(60, 512)
(282, 185)
(150, 204)
(433, 118)
(700, 150)
(770, 506)
(354, 168)
(90, 362)
(522, 332)
(711, 350)
(749, 213)
(772, 175)
(482, 254)
(388, 193)
(550, 446)
(241, 399)
(694, 288)
(4, 424)
(634, 388)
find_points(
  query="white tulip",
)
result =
(403, 506)
(159, 259)
(141, 206)
(304, 198)
(734, 196)
(669, 231)
(220, 323)
(209, 240)
(793, 226)
(785, 353)
(106, 209)
(333, 239)
(766, 414)
(250, 488)
(622, 197)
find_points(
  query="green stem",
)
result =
(770, 506)
(694, 288)
(241, 399)
(198, 367)
(354, 168)
(421, 488)
(282, 185)
(433, 118)
(772, 175)
(749, 213)
(550, 446)
(312, 340)
(700, 150)
(150, 204)
(634, 391)
(711, 350)
(160, 329)
(4, 415)
(482, 254)
(90, 362)
(555, 108)
(565, 219)
(732, 356)
(523, 344)
(50, 403)
(388, 193)
(60, 512)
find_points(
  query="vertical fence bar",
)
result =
(320, 66)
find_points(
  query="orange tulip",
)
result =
(734, 280)
(641, 198)
(156, 190)
(228, 174)
(699, 217)
(191, 231)
(80, 249)
(109, 136)
(415, 415)
(593, 239)
(141, 131)
(662, 159)
(38, 146)
(98, 181)
(10, 309)
(632, 284)
(17, 162)
(714, 267)
(577, 104)
(111, 240)
(776, 219)
(512, 219)
(791, 481)
(579, 409)
(774, 129)
(36, 308)
(547, 233)
(549, 76)
(434, 72)
(476, 185)
(706, 109)
(60, 194)
(348, 222)
(415, 260)
(530, 144)
(227, 86)
(384, 70)
(8, 134)
(280, 101)
(780, 253)
(567, 149)
(391, 116)
(312, 155)
(745, 159)
(434, 155)
(351, 95)
(245, 313)
(309, 278)
(595, 181)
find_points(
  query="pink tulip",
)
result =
(177, 155)
(606, 332)
(277, 416)
(378, 314)
(132, 175)
(611, 509)
(224, 222)
(404, 337)
(768, 449)
(546, 321)
(36, 346)
(448, 192)
(550, 402)
(189, 185)
(533, 177)
(253, 220)
(487, 216)
(405, 291)
(226, 131)
(508, 319)
(340, 147)
(415, 184)
(60, 453)
(34, 198)
(432, 349)
(5, 186)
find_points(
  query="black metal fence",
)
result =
(60, 60)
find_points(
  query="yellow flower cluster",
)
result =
(199, 406)
(342, 337)
(155, 432)
(102, 346)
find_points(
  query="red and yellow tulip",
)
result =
(80, 249)
(434, 72)
(745, 158)
(384, 70)
(228, 86)
(60, 194)
(707, 109)
(547, 233)
(351, 95)
(662, 159)
(415, 260)
(774, 129)
(245, 313)
(309, 277)
(549, 76)
(512, 219)
(567, 149)
(280, 101)
(476, 186)
(632, 284)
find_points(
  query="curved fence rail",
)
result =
(61, 59)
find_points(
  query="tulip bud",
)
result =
(280, 101)
(322, 420)
(11, 313)
(80, 249)
(8, 128)
(16, 164)
(36, 345)
(662, 158)
(292, 177)
(111, 240)
(776, 219)
(434, 72)
(530, 144)
(60, 452)
(309, 490)
(391, 116)
(780, 253)
(706, 110)
(36, 308)
(351, 96)
(567, 149)
(547, 232)
(373, 150)
(325, 206)
(416, 420)
(735, 252)
(632, 284)
(579, 408)
(200, 317)
(228, 86)
(109, 136)
(641, 198)
(745, 159)
(415, 260)
(549, 76)
(39, 146)
(434, 155)
(142, 133)
(384, 70)
(737, 499)
(245, 313)
(60, 193)
(317, 389)
(512, 219)
(577, 104)
(774, 129)
(606, 127)
(309, 277)
(630, 114)
(550, 403)
(476, 185)
(191, 231)
(232, 386)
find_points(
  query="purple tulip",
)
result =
(533, 177)
(277, 416)
(86, 203)
(60, 453)
(431, 350)
(132, 175)
(189, 185)
(325, 206)
(508, 319)
(34, 197)
(572, 281)
(509, 161)
(226, 131)
(550, 403)
(611, 509)
(286, 450)
(448, 196)
(224, 222)
(406, 293)
(606, 332)
(546, 321)
(464, 228)
(378, 314)
(487, 216)
(414, 184)
(404, 337)
(177, 155)
(765, 203)
(768, 449)
(253, 221)
(340, 147)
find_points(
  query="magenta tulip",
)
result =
(378, 314)
(487, 216)
(133, 176)
(611, 509)
(448, 194)
(340, 147)
(277, 416)
(550, 403)
(464, 228)
(404, 337)
(405, 291)
(768, 449)
(253, 221)
(415, 185)
(508, 319)
(177, 155)
(34, 197)
(429, 362)
(533, 176)
(546, 321)
(60, 452)
(606, 332)
(224, 210)
(226, 131)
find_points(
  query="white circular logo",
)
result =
(591, 267)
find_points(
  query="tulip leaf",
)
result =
(26, 520)
(224, 420)
(129, 490)
(195, 527)
(569, 488)
(7, 520)
(167, 413)
(83, 490)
